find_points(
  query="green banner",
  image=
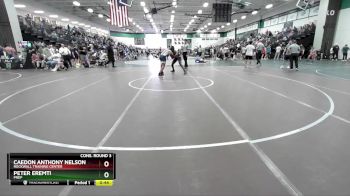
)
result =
(345, 4)
(130, 35)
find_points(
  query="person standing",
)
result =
(336, 52)
(259, 50)
(278, 52)
(249, 53)
(66, 55)
(345, 50)
(110, 55)
(185, 50)
(294, 52)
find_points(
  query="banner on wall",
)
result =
(292, 16)
(139, 41)
(303, 14)
(282, 19)
(314, 11)
(267, 23)
(248, 28)
(274, 21)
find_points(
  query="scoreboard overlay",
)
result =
(81, 169)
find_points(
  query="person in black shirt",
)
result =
(110, 54)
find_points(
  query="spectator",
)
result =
(345, 50)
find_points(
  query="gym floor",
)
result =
(219, 130)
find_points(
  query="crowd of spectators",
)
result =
(275, 44)
(57, 47)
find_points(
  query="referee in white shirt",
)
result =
(66, 54)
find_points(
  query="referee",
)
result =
(294, 51)
(259, 48)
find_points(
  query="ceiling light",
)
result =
(53, 16)
(38, 11)
(142, 3)
(74, 22)
(90, 10)
(243, 17)
(198, 31)
(228, 24)
(108, 20)
(173, 12)
(109, 3)
(268, 6)
(100, 16)
(19, 6)
(133, 23)
(130, 19)
(76, 3)
(145, 10)
(195, 16)
(161, 31)
(200, 11)
(65, 19)
(205, 4)
(209, 24)
(218, 28)
(234, 21)
(254, 12)
(205, 26)
(174, 3)
(222, 26)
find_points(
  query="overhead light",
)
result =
(65, 19)
(174, 3)
(142, 3)
(108, 20)
(109, 3)
(145, 10)
(205, 4)
(76, 3)
(130, 19)
(198, 31)
(213, 31)
(228, 24)
(151, 20)
(205, 26)
(133, 23)
(90, 10)
(222, 26)
(173, 12)
(161, 31)
(75, 22)
(218, 28)
(100, 16)
(19, 6)
(39, 12)
(234, 21)
(209, 24)
(53, 16)
(192, 21)
(127, 30)
(268, 6)
(243, 17)
(195, 16)
(201, 28)
(254, 12)
(200, 11)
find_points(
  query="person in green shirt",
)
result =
(345, 52)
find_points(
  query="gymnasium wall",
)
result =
(343, 29)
